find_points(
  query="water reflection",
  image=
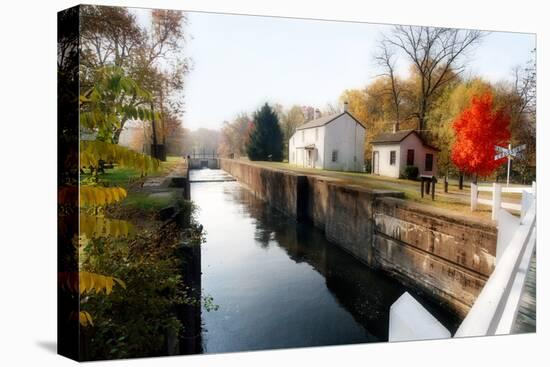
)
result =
(280, 283)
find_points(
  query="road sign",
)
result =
(508, 153)
(500, 149)
(518, 149)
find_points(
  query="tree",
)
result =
(109, 35)
(373, 107)
(101, 112)
(387, 60)
(522, 105)
(234, 137)
(455, 98)
(436, 55)
(266, 137)
(152, 56)
(290, 120)
(477, 130)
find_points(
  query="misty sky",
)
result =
(240, 62)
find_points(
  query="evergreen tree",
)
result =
(266, 138)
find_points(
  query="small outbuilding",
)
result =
(335, 142)
(393, 151)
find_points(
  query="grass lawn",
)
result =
(148, 202)
(136, 199)
(124, 176)
(166, 167)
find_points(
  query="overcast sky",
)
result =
(240, 62)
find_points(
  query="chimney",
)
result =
(395, 127)
(346, 106)
(317, 113)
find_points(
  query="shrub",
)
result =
(410, 172)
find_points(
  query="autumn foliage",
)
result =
(477, 130)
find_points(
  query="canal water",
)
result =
(281, 284)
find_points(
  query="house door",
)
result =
(376, 163)
(309, 158)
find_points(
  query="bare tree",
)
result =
(436, 55)
(386, 60)
(525, 85)
(522, 106)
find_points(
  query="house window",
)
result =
(316, 134)
(392, 158)
(334, 155)
(429, 162)
(410, 157)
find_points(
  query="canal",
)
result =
(279, 283)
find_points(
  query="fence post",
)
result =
(473, 196)
(496, 200)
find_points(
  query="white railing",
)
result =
(496, 201)
(495, 309)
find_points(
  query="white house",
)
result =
(392, 152)
(335, 142)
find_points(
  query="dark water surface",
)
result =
(281, 284)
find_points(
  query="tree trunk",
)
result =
(116, 135)
(422, 115)
(461, 181)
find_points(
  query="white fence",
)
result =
(495, 309)
(496, 201)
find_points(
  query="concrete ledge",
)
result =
(409, 320)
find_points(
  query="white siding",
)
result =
(343, 134)
(347, 137)
(385, 168)
(297, 154)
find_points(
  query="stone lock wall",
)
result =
(447, 256)
(278, 188)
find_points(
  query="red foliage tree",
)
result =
(477, 130)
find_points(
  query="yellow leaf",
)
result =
(85, 318)
(89, 282)
(93, 196)
(82, 319)
(122, 284)
(84, 282)
(96, 227)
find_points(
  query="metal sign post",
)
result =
(508, 153)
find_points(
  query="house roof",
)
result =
(398, 137)
(322, 121)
